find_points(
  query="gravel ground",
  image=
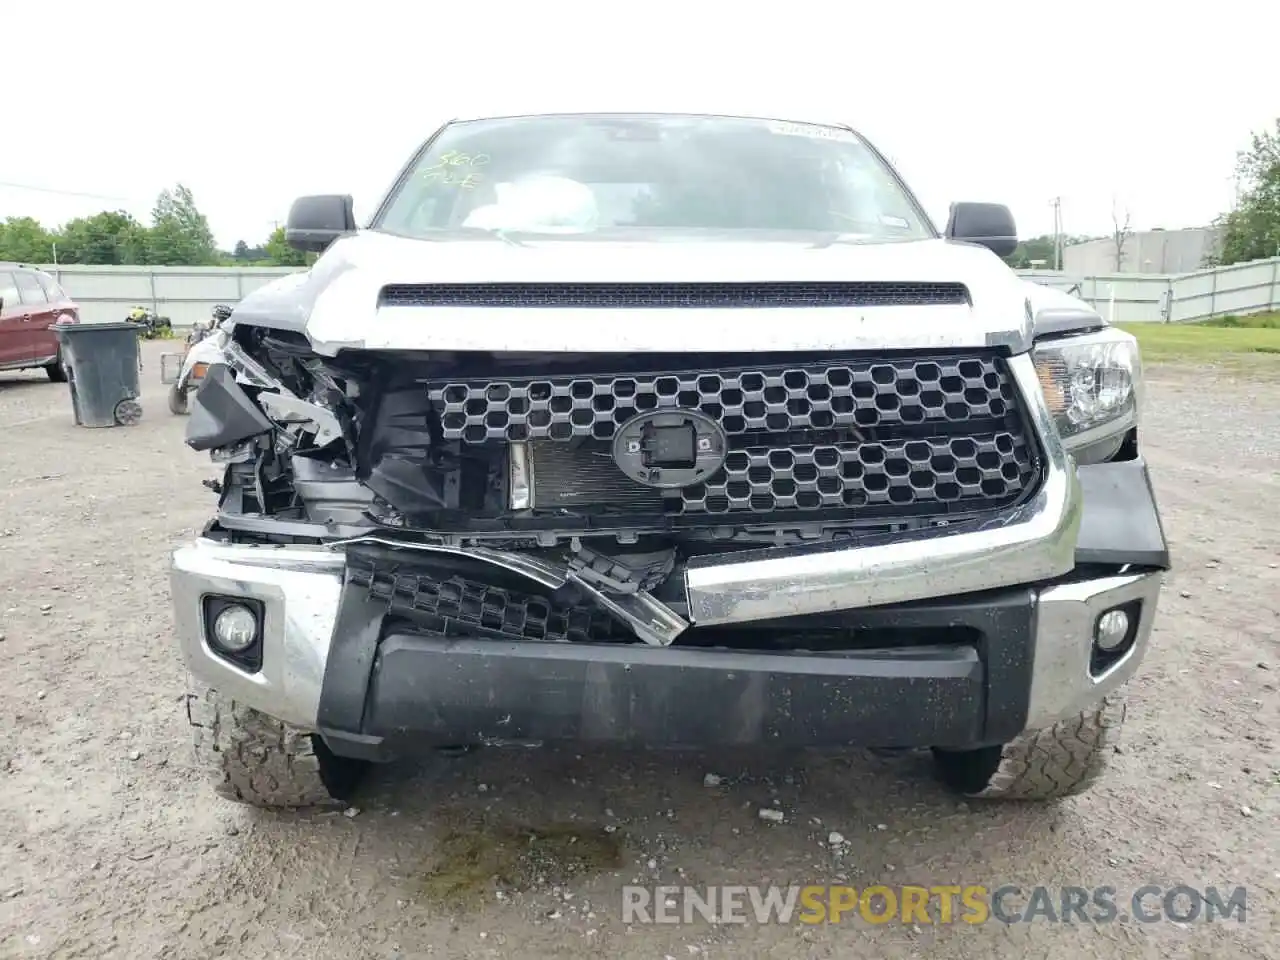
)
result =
(111, 845)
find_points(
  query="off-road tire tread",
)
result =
(253, 758)
(1057, 761)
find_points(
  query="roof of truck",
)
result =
(799, 118)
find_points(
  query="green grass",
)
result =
(1237, 339)
(1255, 321)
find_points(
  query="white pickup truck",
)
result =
(669, 431)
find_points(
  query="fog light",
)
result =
(235, 628)
(1112, 629)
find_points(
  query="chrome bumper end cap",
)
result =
(1062, 685)
(299, 589)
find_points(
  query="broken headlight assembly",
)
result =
(1093, 387)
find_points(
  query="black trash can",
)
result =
(103, 360)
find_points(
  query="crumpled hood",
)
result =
(336, 303)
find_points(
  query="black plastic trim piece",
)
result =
(682, 295)
(446, 690)
(1121, 520)
(354, 645)
(385, 692)
(222, 414)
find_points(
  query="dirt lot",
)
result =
(111, 846)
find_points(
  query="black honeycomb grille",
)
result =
(874, 438)
(453, 605)
(987, 469)
(674, 295)
(864, 394)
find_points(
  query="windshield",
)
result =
(617, 175)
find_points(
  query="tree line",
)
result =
(1251, 229)
(178, 235)
(1038, 252)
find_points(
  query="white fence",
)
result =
(188, 294)
(1122, 297)
(1239, 289)
(183, 294)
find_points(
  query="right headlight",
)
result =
(1093, 386)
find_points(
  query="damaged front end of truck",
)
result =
(809, 547)
(487, 487)
(596, 478)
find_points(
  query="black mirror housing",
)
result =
(987, 224)
(315, 222)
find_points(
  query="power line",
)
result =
(64, 193)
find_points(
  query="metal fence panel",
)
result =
(1239, 289)
(1122, 297)
(185, 295)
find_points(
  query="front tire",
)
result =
(257, 760)
(178, 401)
(1057, 761)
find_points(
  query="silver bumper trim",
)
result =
(1035, 541)
(299, 589)
(1061, 685)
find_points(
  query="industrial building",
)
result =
(1148, 251)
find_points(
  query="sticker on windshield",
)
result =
(457, 169)
(813, 131)
(898, 222)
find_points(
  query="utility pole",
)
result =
(1057, 233)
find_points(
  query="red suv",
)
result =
(31, 302)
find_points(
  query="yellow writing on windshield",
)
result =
(457, 169)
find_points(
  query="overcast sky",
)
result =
(253, 104)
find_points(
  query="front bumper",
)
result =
(330, 663)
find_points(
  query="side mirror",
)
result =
(987, 224)
(315, 222)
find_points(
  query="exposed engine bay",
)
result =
(604, 472)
